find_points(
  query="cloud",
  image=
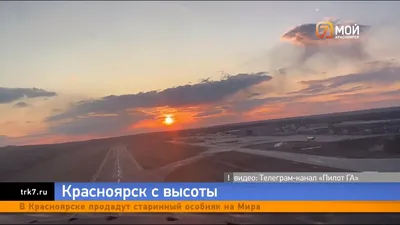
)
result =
(250, 104)
(205, 92)
(209, 112)
(321, 89)
(301, 105)
(8, 95)
(305, 34)
(391, 93)
(112, 124)
(301, 51)
(21, 105)
(146, 109)
(383, 76)
(338, 89)
(371, 95)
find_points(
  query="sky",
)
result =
(78, 70)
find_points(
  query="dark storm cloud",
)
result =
(205, 92)
(21, 105)
(8, 95)
(383, 76)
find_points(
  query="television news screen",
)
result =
(199, 112)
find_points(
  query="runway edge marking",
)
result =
(133, 159)
(97, 173)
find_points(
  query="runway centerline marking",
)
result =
(118, 166)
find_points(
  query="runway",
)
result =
(157, 160)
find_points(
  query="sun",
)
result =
(168, 120)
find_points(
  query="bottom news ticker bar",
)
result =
(199, 206)
(266, 192)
